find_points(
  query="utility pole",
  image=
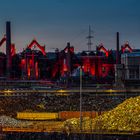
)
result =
(89, 37)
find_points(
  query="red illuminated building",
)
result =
(35, 63)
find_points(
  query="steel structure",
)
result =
(36, 64)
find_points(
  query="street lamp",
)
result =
(80, 98)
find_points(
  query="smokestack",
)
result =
(68, 58)
(8, 49)
(117, 49)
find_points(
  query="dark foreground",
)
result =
(62, 136)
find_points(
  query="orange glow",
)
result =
(29, 72)
(65, 66)
(30, 62)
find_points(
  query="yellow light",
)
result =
(8, 91)
(62, 94)
(61, 91)
(109, 90)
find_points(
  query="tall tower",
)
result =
(8, 49)
(119, 68)
(89, 37)
(117, 48)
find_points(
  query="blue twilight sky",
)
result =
(56, 22)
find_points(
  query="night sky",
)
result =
(56, 22)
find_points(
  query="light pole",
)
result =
(80, 98)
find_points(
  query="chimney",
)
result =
(8, 49)
(117, 49)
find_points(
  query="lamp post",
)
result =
(80, 98)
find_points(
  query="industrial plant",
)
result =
(99, 66)
(68, 94)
